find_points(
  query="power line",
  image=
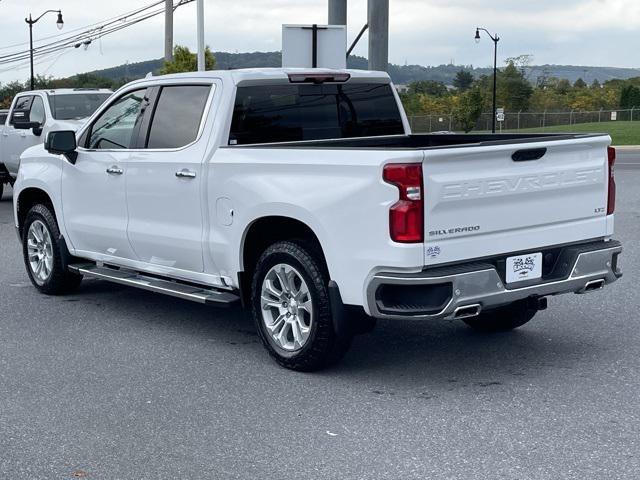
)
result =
(117, 17)
(105, 28)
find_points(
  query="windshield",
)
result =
(76, 106)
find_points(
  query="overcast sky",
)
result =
(425, 32)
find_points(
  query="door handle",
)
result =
(115, 171)
(184, 173)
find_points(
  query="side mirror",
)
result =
(26, 125)
(62, 142)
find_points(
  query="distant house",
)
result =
(402, 88)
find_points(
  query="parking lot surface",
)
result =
(117, 383)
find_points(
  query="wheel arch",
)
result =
(27, 199)
(267, 230)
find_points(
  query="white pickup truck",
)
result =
(303, 195)
(35, 113)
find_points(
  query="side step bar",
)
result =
(177, 289)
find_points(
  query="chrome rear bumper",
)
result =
(591, 268)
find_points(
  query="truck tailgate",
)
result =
(488, 200)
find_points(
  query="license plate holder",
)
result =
(521, 268)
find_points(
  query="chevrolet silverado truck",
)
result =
(303, 195)
(35, 113)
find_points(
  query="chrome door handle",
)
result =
(184, 173)
(115, 171)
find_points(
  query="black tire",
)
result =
(323, 346)
(59, 280)
(503, 319)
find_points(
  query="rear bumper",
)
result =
(446, 292)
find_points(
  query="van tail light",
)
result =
(406, 216)
(611, 200)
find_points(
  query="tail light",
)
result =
(611, 200)
(406, 216)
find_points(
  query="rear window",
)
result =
(74, 106)
(287, 113)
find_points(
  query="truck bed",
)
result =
(424, 141)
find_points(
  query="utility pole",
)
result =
(378, 21)
(495, 39)
(200, 32)
(337, 12)
(168, 30)
(30, 21)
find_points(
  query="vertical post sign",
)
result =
(500, 116)
(314, 46)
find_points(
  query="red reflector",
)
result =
(406, 216)
(611, 199)
(318, 77)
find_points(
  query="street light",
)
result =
(31, 21)
(495, 39)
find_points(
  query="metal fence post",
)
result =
(632, 113)
(599, 115)
(450, 121)
(544, 118)
(519, 112)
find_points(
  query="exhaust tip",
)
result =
(467, 311)
(593, 285)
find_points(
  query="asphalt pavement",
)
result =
(628, 157)
(117, 383)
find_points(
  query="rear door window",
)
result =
(177, 116)
(286, 113)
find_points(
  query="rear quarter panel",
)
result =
(339, 194)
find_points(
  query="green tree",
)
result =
(579, 83)
(185, 61)
(630, 97)
(595, 84)
(468, 109)
(514, 91)
(463, 81)
(428, 87)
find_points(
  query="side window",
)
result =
(115, 127)
(177, 116)
(37, 110)
(21, 109)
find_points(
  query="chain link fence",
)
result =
(522, 120)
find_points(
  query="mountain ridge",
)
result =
(400, 74)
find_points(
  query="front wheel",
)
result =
(291, 308)
(43, 255)
(503, 319)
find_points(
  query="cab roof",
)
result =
(243, 75)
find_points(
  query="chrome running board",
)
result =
(131, 278)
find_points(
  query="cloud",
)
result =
(427, 32)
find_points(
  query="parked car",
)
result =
(303, 195)
(35, 113)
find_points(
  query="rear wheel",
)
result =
(291, 308)
(43, 255)
(504, 318)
